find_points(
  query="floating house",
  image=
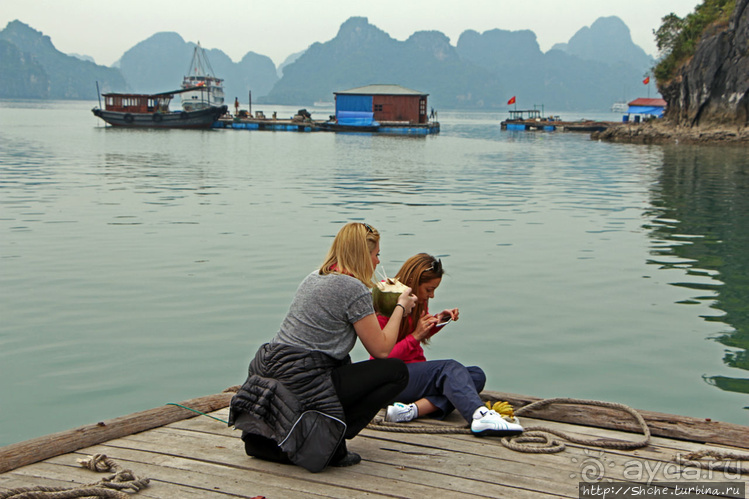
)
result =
(382, 106)
(383, 109)
(644, 108)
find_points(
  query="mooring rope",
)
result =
(720, 462)
(113, 487)
(536, 439)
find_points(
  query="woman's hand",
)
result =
(451, 313)
(407, 300)
(423, 327)
(380, 341)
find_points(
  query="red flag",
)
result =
(646, 80)
(511, 101)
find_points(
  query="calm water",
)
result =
(139, 268)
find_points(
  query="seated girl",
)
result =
(436, 387)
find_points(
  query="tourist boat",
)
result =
(152, 111)
(204, 89)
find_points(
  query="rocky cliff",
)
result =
(713, 87)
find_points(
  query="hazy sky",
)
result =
(105, 29)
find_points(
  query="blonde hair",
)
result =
(351, 252)
(414, 272)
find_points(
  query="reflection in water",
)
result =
(701, 224)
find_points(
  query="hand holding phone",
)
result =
(443, 321)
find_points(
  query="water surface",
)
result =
(139, 268)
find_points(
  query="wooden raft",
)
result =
(185, 455)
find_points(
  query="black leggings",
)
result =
(365, 387)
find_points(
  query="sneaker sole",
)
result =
(496, 433)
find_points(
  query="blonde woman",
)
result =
(303, 396)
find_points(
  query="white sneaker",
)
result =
(487, 422)
(400, 413)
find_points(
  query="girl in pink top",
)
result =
(436, 387)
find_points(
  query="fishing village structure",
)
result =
(644, 108)
(569, 447)
(532, 120)
(383, 109)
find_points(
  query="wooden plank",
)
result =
(371, 452)
(380, 476)
(665, 425)
(15, 455)
(238, 473)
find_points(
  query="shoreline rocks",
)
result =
(664, 132)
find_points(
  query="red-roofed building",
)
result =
(646, 107)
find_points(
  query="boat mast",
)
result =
(200, 63)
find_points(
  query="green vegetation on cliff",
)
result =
(677, 38)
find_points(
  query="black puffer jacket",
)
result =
(289, 398)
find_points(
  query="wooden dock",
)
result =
(186, 455)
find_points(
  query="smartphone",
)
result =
(443, 321)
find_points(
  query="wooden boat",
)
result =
(202, 88)
(152, 111)
(188, 456)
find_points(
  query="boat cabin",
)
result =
(362, 106)
(138, 103)
(525, 114)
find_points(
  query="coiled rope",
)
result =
(536, 439)
(114, 486)
(539, 440)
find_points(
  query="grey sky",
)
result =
(105, 29)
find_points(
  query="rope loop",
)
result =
(536, 439)
(111, 487)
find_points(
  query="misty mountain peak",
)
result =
(435, 43)
(607, 40)
(358, 30)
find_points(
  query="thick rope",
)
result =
(535, 439)
(109, 487)
(720, 462)
(537, 434)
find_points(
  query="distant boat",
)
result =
(619, 107)
(204, 88)
(152, 111)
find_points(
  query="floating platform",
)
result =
(183, 455)
(545, 125)
(295, 125)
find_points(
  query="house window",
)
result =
(422, 106)
(378, 107)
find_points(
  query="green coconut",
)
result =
(385, 296)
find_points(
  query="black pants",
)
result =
(363, 389)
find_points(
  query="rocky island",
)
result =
(704, 79)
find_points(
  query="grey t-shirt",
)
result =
(322, 315)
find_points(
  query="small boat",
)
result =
(619, 107)
(152, 111)
(204, 89)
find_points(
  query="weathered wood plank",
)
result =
(366, 477)
(38, 449)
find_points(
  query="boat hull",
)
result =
(203, 118)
